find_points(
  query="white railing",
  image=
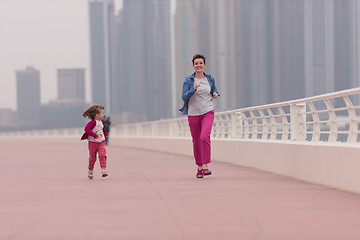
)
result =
(329, 117)
(47, 133)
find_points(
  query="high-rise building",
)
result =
(8, 119)
(345, 41)
(346, 46)
(215, 24)
(146, 58)
(28, 96)
(269, 51)
(252, 52)
(208, 27)
(134, 38)
(259, 51)
(319, 47)
(102, 51)
(242, 53)
(71, 84)
(258, 37)
(286, 57)
(118, 99)
(331, 46)
(356, 44)
(186, 43)
(63, 113)
(159, 61)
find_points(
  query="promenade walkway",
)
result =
(45, 194)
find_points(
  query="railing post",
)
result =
(353, 122)
(297, 121)
(138, 130)
(236, 125)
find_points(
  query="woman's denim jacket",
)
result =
(189, 90)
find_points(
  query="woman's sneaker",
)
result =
(104, 173)
(200, 173)
(91, 174)
(206, 172)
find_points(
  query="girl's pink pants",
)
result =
(200, 128)
(97, 148)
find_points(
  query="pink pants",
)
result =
(94, 148)
(200, 128)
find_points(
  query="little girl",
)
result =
(95, 134)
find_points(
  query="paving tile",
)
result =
(45, 194)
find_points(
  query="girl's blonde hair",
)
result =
(92, 111)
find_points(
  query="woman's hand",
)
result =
(215, 95)
(196, 85)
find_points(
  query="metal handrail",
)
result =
(327, 117)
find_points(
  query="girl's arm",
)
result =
(89, 127)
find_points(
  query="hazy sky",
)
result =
(46, 34)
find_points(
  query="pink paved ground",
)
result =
(45, 194)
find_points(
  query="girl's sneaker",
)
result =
(200, 173)
(91, 174)
(104, 173)
(207, 172)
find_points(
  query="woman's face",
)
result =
(199, 65)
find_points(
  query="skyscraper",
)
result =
(345, 42)
(252, 52)
(319, 47)
(208, 27)
(134, 57)
(186, 42)
(242, 54)
(146, 58)
(102, 49)
(346, 46)
(28, 96)
(118, 99)
(159, 61)
(331, 46)
(286, 57)
(220, 18)
(71, 83)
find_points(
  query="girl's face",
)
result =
(100, 116)
(199, 65)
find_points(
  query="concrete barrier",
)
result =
(335, 165)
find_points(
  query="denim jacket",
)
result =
(189, 90)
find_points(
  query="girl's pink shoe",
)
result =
(200, 173)
(104, 173)
(90, 174)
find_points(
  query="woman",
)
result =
(198, 93)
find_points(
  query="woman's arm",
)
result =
(188, 90)
(214, 92)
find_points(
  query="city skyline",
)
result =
(47, 35)
(284, 46)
